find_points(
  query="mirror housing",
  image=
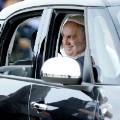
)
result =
(62, 70)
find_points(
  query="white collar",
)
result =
(63, 54)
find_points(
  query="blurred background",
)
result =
(5, 3)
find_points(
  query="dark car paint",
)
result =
(14, 100)
(62, 103)
(16, 105)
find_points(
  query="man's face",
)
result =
(73, 39)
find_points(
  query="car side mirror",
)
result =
(62, 70)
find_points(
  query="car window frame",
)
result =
(10, 27)
(52, 50)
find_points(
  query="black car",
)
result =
(36, 83)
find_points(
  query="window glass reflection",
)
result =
(103, 39)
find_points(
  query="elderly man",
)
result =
(74, 41)
(73, 33)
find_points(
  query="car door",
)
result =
(61, 102)
(56, 103)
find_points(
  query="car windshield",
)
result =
(104, 45)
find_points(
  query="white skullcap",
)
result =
(74, 18)
(77, 19)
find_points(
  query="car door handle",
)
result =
(38, 106)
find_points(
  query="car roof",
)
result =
(35, 3)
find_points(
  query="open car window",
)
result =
(54, 47)
(54, 36)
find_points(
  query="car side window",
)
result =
(18, 45)
(54, 45)
(21, 47)
(54, 36)
(23, 42)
